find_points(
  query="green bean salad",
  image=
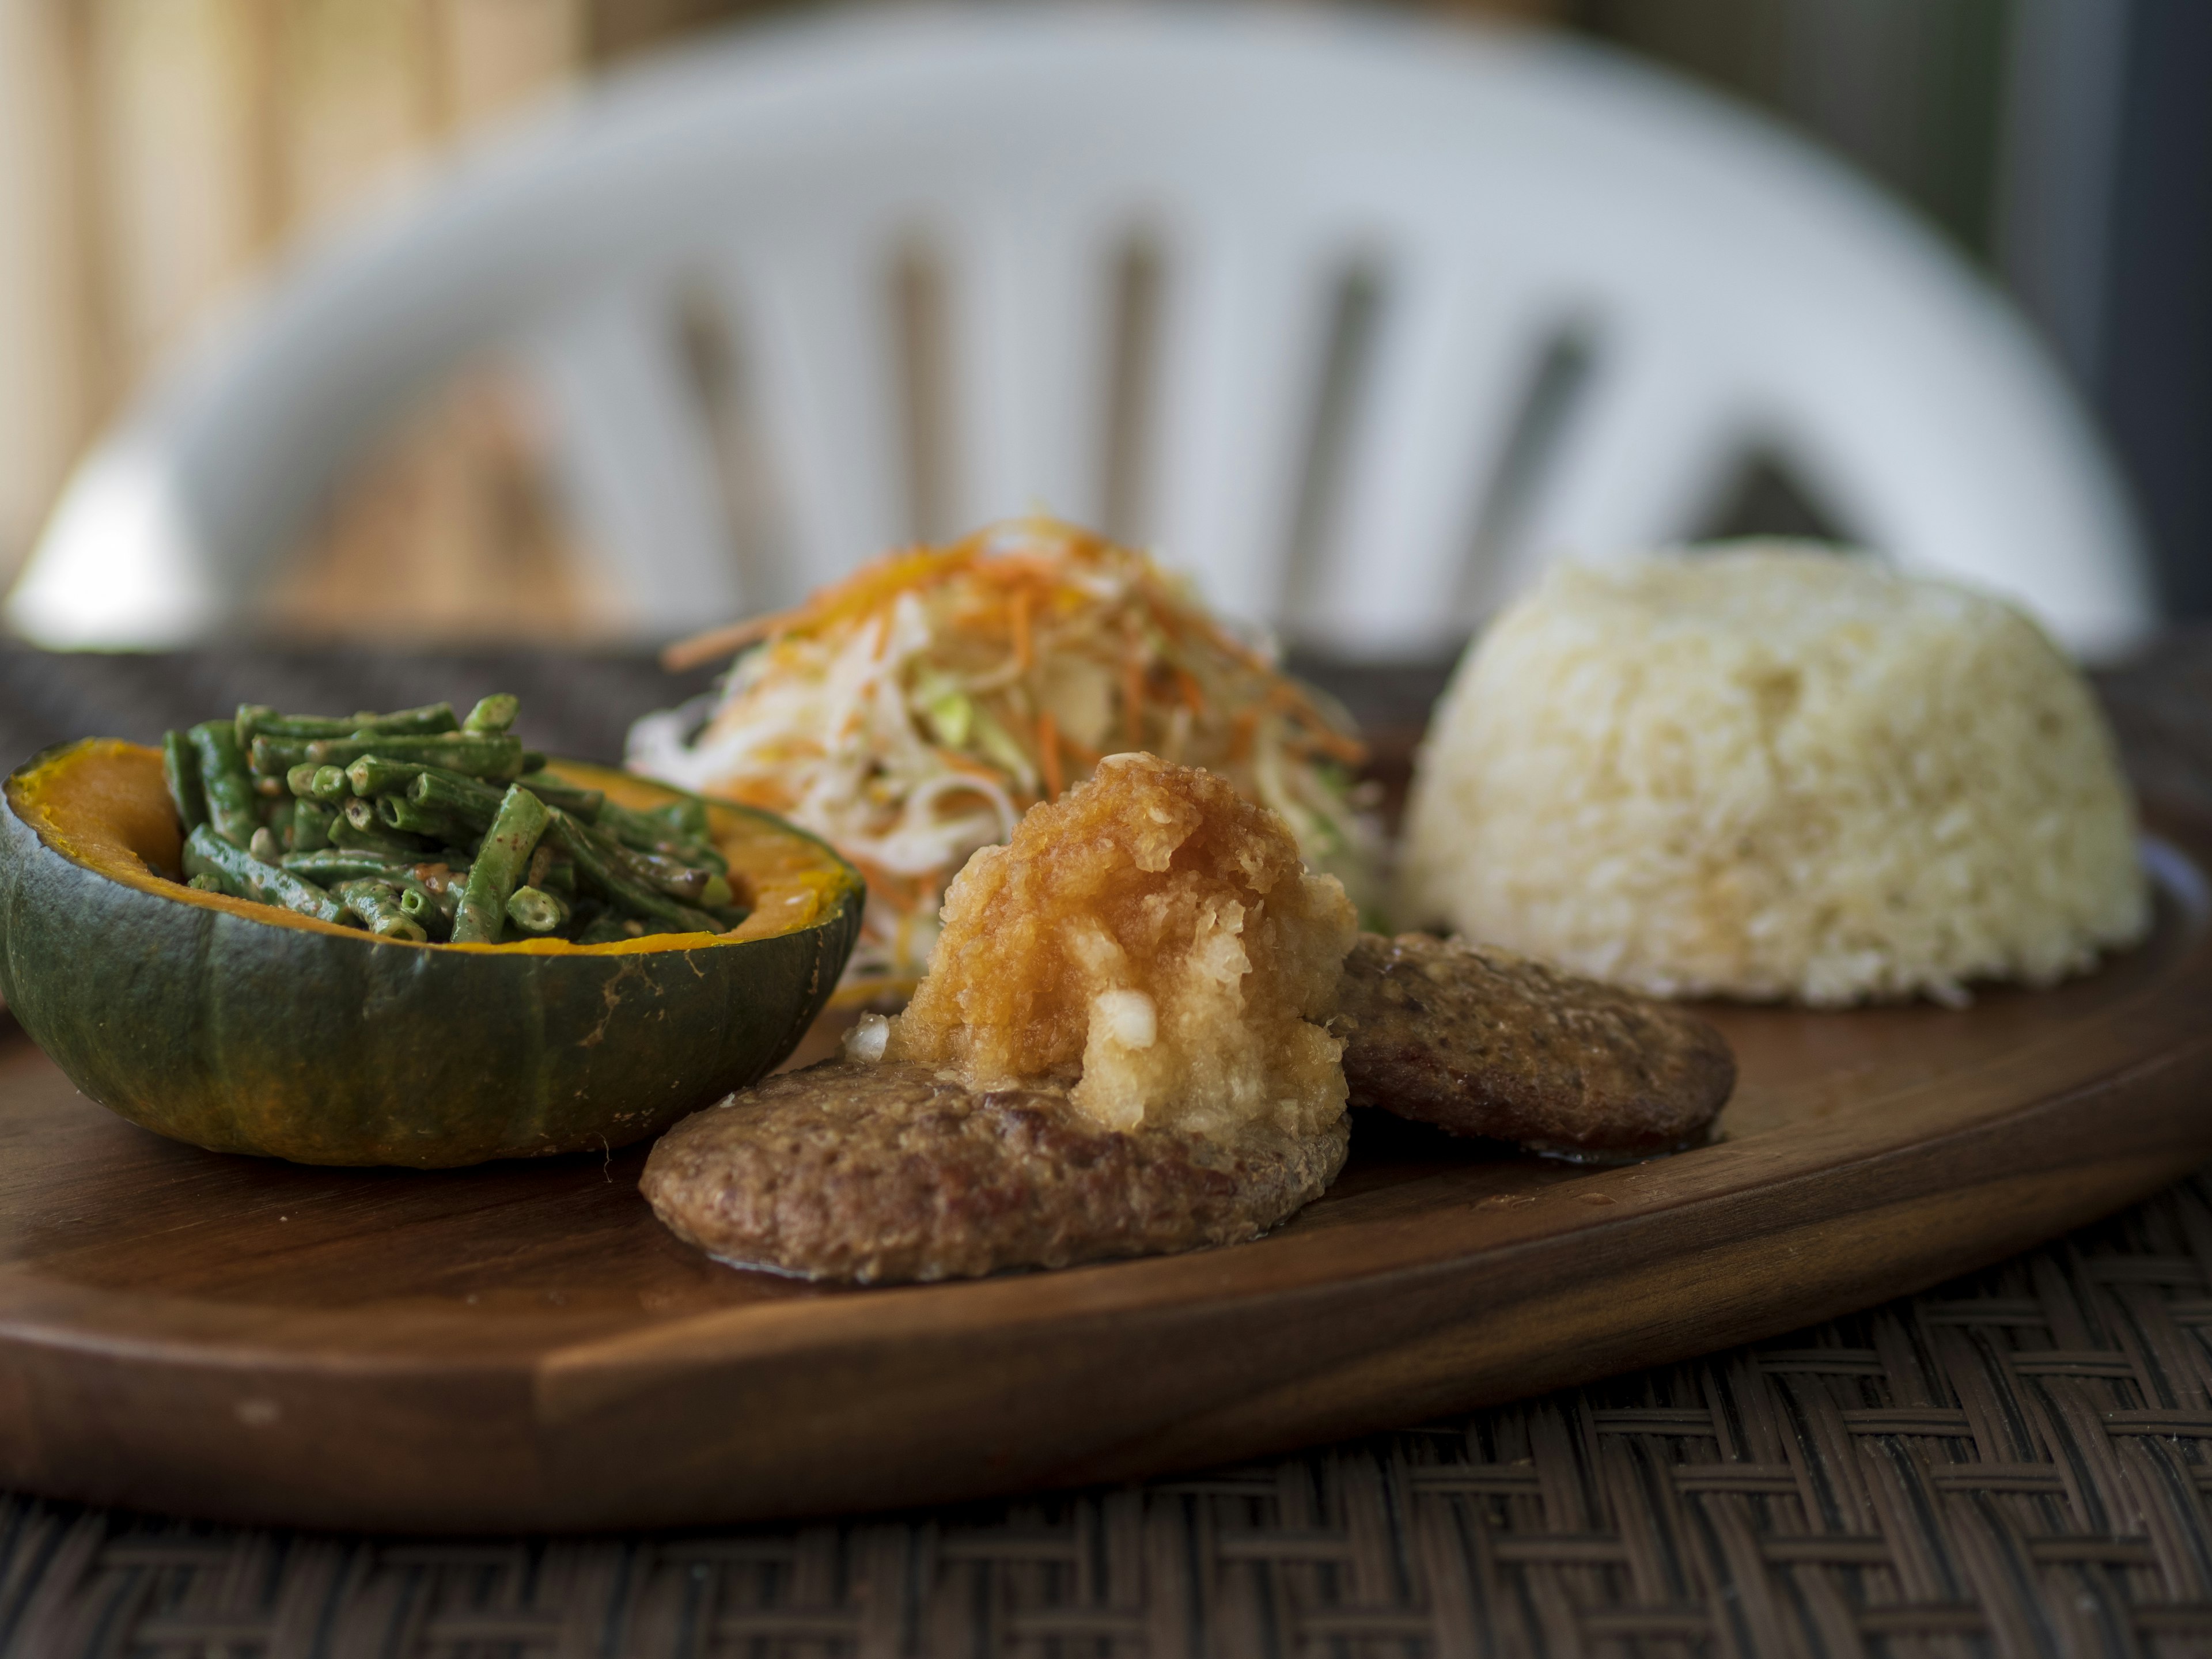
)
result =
(419, 826)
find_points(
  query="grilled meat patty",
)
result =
(1480, 1042)
(892, 1172)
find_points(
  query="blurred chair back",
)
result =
(1360, 319)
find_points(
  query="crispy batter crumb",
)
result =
(1154, 934)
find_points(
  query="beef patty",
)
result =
(894, 1171)
(1480, 1042)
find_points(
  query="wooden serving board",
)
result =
(522, 1347)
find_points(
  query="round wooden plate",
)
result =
(522, 1347)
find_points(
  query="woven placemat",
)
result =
(2016, 1463)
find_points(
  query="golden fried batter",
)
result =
(1152, 938)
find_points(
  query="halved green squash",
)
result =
(243, 1028)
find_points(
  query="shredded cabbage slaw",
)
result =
(913, 712)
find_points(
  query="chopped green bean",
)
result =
(583, 804)
(398, 812)
(493, 714)
(264, 845)
(430, 718)
(418, 901)
(245, 876)
(499, 866)
(472, 802)
(205, 883)
(535, 910)
(255, 720)
(180, 771)
(444, 884)
(607, 929)
(272, 757)
(642, 832)
(373, 838)
(312, 782)
(334, 864)
(372, 775)
(671, 876)
(229, 792)
(598, 863)
(430, 913)
(632, 827)
(687, 818)
(377, 904)
(310, 826)
(478, 754)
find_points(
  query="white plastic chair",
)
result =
(1492, 194)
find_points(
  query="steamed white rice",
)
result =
(1769, 771)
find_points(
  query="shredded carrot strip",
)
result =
(1194, 695)
(903, 891)
(1241, 731)
(1285, 696)
(1047, 742)
(721, 641)
(1018, 608)
(1333, 743)
(874, 584)
(1007, 568)
(968, 765)
(1220, 638)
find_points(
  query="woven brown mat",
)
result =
(2016, 1463)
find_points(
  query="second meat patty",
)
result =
(1480, 1042)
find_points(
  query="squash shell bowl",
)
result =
(242, 1028)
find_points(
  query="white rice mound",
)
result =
(1765, 771)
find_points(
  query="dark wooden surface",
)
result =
(2015, 1462)
(522, 1346)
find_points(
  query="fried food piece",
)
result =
(894, 1171)
(1480, 1042)
(1118, 1050)
(1153, 939)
